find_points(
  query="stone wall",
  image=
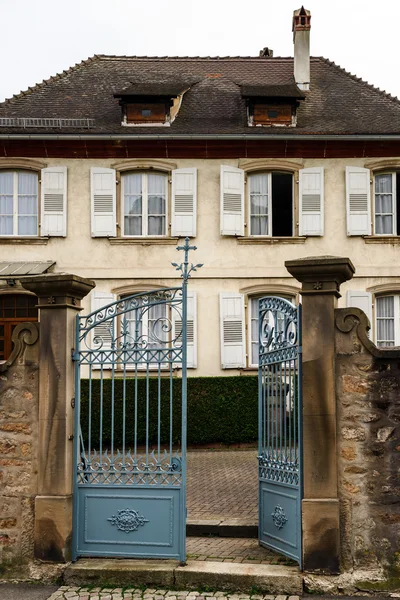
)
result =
(19, 404)
(368, 412)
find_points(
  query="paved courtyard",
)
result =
(233, 550)
(222, 485)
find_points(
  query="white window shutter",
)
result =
(233, 343)
(104, 332)
(191, 329)
(103, 202)
(361, 300)
(311, 195)
(53, 218)
(184, 202)
(232, 201)
(358, 201)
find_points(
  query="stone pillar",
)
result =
(321, 279)
(59, 300)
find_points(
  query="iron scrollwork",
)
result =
(128, 520)
(279, 517)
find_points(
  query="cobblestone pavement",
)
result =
(235, 550)
(96, 593)
(222, 485)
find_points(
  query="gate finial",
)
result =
(184, 267)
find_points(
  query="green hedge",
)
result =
(220, 410)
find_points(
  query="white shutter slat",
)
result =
(191, 329)
(103, 202)
(184, 202)
(363, 301)
(232, 201)
(233, 345)
(103, 332)
(54, 201)
(311, 196)
(358, 201)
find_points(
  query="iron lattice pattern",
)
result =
(130, 469)
(279, 350)
(279, 470)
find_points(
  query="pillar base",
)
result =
(53, 528)
(321, 540)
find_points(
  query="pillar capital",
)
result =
(321, 274)
(56, 290)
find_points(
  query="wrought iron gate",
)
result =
(280, 441)
(130, 424)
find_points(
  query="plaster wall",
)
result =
(229, 264)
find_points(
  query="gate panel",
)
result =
(280, 451)
(131, 448)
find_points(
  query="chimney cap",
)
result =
(301, 19)
(266, 53)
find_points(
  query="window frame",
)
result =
(144, 174)
(248, 215)
(396, 317)
(394, 203)
(9, 323)
(15, 171)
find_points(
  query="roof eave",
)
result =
(205, 136)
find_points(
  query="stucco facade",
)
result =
(231, 264)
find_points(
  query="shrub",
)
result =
(219, 410)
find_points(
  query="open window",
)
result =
(270, 204)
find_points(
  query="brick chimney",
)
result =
(301, 39)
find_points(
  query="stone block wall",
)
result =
(368, 413)
(19, 405)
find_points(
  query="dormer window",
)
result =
(269, 106)
(145, 112)
(151, 103)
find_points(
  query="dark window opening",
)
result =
(14, 309)
(398, 203)
(282, 204)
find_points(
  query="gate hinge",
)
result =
(299, 349)
(74, 355)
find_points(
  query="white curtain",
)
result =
(156, 204)
(6, 203)
(385, 321)
(259, 204)
(27, 204)
(384, 204)
(254, 305)
(133, 204)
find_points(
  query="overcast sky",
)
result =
(40, 38)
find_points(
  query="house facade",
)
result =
(106, 167)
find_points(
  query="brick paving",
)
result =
(97, 593)
(222, 485)
(234, 550)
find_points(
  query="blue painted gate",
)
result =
(130, 420)
(280, 447)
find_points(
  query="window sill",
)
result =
(246, 240)
(382, 239)
(6, 241)
(145, 241)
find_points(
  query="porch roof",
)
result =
(19, 268)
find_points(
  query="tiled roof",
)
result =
(337, 102)
(289, 90)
